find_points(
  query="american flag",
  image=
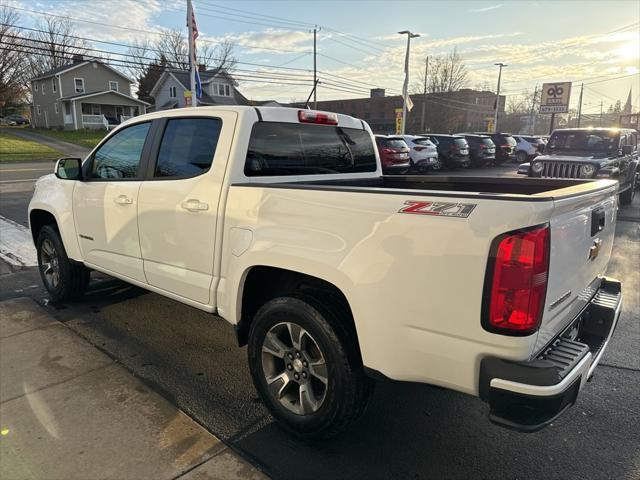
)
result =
(194, 62)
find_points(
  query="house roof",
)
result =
(73, 66)
(102, 92)
(183, 77)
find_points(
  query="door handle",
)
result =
(194, 205)
(123, 200)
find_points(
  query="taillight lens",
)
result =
(388, 150)
(419, 149)
(313, 116)
(516, 282)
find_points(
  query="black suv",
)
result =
(453, 150)
(482, 150)
(590, 153)
(505, 146)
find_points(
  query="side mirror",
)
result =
(627, 149)
(69, 168)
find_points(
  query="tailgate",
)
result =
(582, 232)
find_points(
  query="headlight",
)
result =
(587, 171)
(537, 167)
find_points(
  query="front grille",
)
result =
(561, 169)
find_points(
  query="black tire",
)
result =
(72, 278)
(439, 165)
(626, 197)
(347, 388)
(522, 156)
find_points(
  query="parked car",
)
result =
(505, 146)
(482, 150)
(394, 154)
(453, 150)
(7, 122)
(423, 153)
(280, 221)
(590, 153)
(528, 147)
(19, 119)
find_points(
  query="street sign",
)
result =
(188, 100)
(398, 112)
(555, 97)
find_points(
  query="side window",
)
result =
(119, 156)
(188, 146)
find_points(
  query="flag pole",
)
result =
(192, 63)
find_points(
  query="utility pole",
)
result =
(532, 116)
(405, 87)
(580, 105)
(315, 72)
(192, 55)
(601, 112)
(424, 94)
(495, 116)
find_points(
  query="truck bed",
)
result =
(478, 187)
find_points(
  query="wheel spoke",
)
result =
(278, 384)
(296, 332)
(273, 346)
(55, 278)
(48, 248)
(47, 268)
(318, 369)
(308, 402)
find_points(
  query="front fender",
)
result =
(55, 196)
(524, 168)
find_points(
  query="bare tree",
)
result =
(13, 71)
(140, 54)
(448, 74)
(173, 45)
(53, 45)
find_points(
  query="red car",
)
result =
(394, 154)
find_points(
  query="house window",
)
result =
(35, 86)
(38, 111)
(43, 85)
(79, 84)
(56, 107)
(227, 91)
(54, 86)
(221, 89)
(113, 86)
(172, 92)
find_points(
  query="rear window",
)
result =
(506, 139)
(532, 139)
(297, 149)
(392, 142)
(461, 142)
(488, 142)
(423, 141)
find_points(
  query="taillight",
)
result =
(388, 150)
(482, 146)
(516, 282)
(312, 116)
(506, 145)
(419, 149)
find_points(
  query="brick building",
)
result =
(463, 110)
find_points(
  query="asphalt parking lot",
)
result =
(409, 431)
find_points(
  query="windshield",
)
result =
(583, 140)
(301, 149)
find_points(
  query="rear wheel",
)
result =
(62, 278)
(437, 165)
(306, 367)
(522, 156)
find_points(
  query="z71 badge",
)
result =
(439, 209)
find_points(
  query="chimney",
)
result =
(202, 67)
(377, 92)
(77, 58)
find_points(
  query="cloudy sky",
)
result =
(358, 47)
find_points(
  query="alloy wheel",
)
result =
(294, 368)
(49, 263)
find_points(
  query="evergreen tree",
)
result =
(149, 77)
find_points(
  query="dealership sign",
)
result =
(555, 97)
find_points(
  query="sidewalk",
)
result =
(68, 411)
(68, 149)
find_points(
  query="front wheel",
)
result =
(306, 367)
(522, 156)
(62, 278)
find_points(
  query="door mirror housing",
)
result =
(627, 149)
(69, 168)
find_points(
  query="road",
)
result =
(409, 431)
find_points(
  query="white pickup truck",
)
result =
(280, 221)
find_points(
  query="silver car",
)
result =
(423, 153)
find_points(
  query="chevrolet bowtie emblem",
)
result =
(594, 250)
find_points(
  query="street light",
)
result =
(495, 117)
(405, 87)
